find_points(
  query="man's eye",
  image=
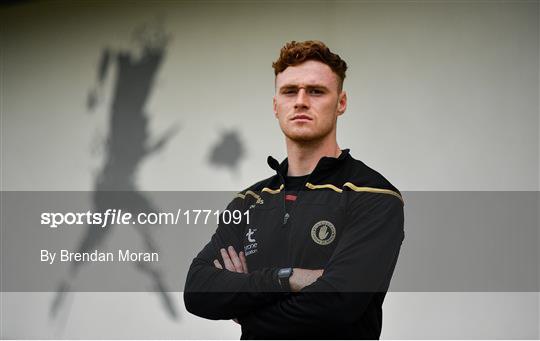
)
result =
(316, 92)
(289, 92)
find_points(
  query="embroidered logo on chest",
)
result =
(323, 232)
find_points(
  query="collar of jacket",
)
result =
(324, 165)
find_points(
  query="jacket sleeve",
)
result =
(361, 265)
(221, 294)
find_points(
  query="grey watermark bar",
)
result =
(146, 241)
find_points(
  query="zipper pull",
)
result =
(285, 218)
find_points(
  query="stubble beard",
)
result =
(309, 138)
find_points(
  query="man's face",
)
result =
(307, 102)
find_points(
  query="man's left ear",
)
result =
(342, 103)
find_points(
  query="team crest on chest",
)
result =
(323, 232)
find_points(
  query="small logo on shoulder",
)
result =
(323, 232)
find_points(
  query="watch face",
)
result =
(285, 272)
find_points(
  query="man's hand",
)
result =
(301, 278)
(233, 261)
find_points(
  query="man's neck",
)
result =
(303, 157)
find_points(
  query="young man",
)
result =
(315, 252)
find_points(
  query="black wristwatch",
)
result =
(283, 277)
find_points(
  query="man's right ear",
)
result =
(274, 106)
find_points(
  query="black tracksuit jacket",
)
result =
(348, 221)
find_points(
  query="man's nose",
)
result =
(302, 100)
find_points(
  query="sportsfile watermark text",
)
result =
(111, 217)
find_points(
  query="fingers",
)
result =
(232, 261)
(227, 260)
(235, 260)
(217, 265)
(243, 260)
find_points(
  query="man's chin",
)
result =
(305, 138)
(306, 134)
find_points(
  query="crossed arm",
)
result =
(236, 262)
(227, 290)
(361, 265)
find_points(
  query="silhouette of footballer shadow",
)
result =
(127, 145)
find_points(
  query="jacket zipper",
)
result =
(286, 215)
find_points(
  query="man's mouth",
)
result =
(301, 118)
